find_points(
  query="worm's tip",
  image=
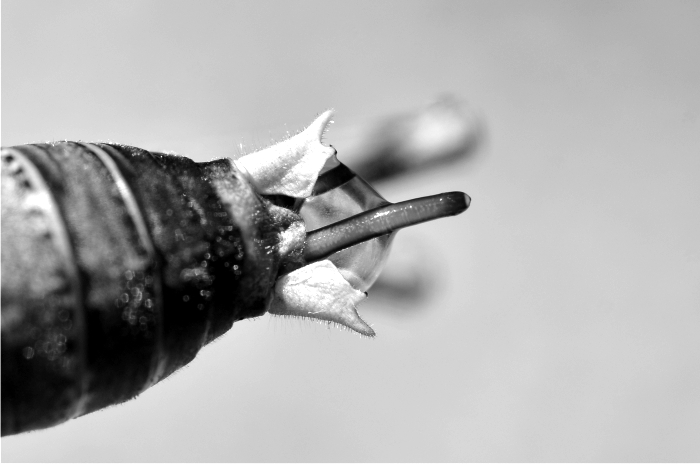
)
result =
(467, 200)
(459, 202)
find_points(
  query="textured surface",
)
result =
(119, 265)
(43, 320)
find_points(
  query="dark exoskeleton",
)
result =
(118, 265)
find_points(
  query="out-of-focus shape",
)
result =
(443, 132)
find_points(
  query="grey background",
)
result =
(564, 317)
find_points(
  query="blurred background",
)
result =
(562, 316)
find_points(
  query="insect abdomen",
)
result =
(123, 263)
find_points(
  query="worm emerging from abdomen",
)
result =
(119, 264)
(323, 242)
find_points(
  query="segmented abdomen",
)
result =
(118, 265)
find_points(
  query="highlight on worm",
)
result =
(323, 242)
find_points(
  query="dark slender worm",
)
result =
(323, 242)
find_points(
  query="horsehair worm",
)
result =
(119, 264)
(321, 243)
